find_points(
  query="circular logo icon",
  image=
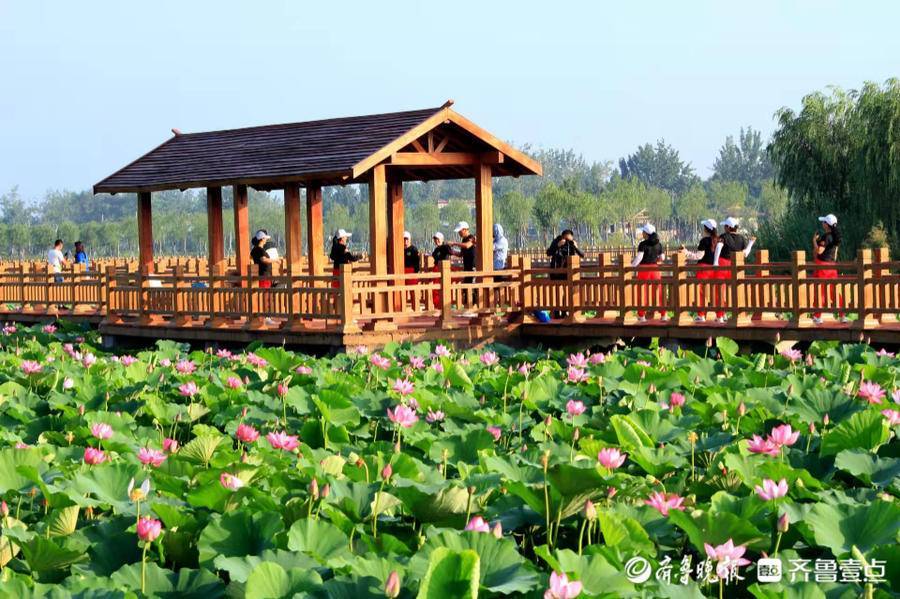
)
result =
(638, 569)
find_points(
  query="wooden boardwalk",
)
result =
(592, 299)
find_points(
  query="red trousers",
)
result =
(707, 275)
(829, 296)
(649, 293)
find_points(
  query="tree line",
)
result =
(840, 153)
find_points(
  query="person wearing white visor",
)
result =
(441, 252)
(705, 254)
(340, 253)
(730, 242)
(825, 249)
(649, 255)
(411, 255)
(262, 259)
(466, 248)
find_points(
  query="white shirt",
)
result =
(55, 259)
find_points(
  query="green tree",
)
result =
(659, 166)
(455, 211)
(513, 210)
(727, 198)
(745, 161)
(691, 208)
(773, 200)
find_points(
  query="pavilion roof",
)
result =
(330, 151)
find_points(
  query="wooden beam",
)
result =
(145, 231)
(484, 217)
(378, 232)
(445, 158)
(407, 138)
(395, 225)
(418, 146)
(292, 228)
(315, 236)
(241, 230)
(214, 225)
(527, 161)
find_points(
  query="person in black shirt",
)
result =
(705, 254)
(340, 254)
(261, 259)
(825, 249)
(468, 253)
(730, 242)
(562, 246)
(441, 252)
(411, 256)
(649, 255)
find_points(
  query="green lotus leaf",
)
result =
(238, 533)
(270, 581)
(844, 526)
(166, 584)
(321, 540)
(451, 574)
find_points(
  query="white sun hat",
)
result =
(648, 228)
(828, 219)
(731, 222)
(262, 235)
(460, 226)
(407, 235)
(439, 236)
(341, 233)
(709, 224)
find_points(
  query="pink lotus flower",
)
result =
(495, 431)
(246, 433)
(256, 361)
(438, 367)
(93, 456)
(49, 329)
(185, 367)
(282, 440)
(68, 383)
(871, 392)
(442, 351)
(524, 369)
(884, 353)
(282, 389)
(577, 360)
(783, 435)
(380, 362)
(895, 395)
(643, 363)
(88, 360)
(403, 386)
(170, 445)
(9, 329)
(417, 362)
(598, 358)
(148, 529)
(304, 369)
(792, 355)
(360, 350)
(759, 445)
(771, 490)
(189, 389)
(676, 400)
(101, 430)
(402, 415)
(728, 556)
(392, 585)
(489, 358)
(165, 362)
(611, 458)
(561, 588)
(497, 530)
(575, 408)
(152, 457)
(230, 481)
(663, 503)
(30, 367)
(576, 375)
(223, 353)
(387, 471)
(478, 524)
(233, 382)
(21, 445)
(892, 417)
(128, 360)
(433, 417)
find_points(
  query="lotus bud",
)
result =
(651, 388)
(545, 459)
(314, 489)
(326, 491)
(576, 435)
(692, 437)
(89, 510)
(33, 491)
(548, 420)
(826, 420)
(497, 531)
(471, 489)
(799, 483)
(790, 389)
(611, 492)
(244, 412)
(709, 342)
(777, 338)
(723, 468)
(386, 472)
(392, 586)
(70, 436)
(244, 457)
(742, 409)
(4, 509)
(809, 360)
(886, 496)
(590, 512)
(771, 361)
(812, 428)
(282, 389)
(81, 410)
(445, 454)
(783, 523)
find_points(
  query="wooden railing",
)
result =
(604, 290)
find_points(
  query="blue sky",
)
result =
(89, 86)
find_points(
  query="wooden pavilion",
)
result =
(382, 150)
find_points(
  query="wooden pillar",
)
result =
(241, 230)
(378, 233)
(292, 230)
(214, 225)
(484, 217)
(145, 231)
(395, 226)
(314, 232)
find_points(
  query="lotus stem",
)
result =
(469, 504)
(144, 569)
(581, 535)
(777, 543)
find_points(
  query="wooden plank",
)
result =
(241, 230)
(145, 230)
(529, 163)
(414, 159)
(216, 231)
(292, 229)
(484, 217)
(315, 236)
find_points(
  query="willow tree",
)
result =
(841, 153)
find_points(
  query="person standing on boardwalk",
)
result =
(825, 249)
(501, 248)
(412, 259)
(261, 259)
(80, 254)
(730, 243)
(56, 260)
(705, 255)
(340, 254)
(562, 246)
(441, 252)
(468, 252)
(649, 255)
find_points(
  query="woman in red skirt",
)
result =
(705, 254)
(825, 249)
(730, 242)
(649, 255)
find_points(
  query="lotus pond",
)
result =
(425, 471)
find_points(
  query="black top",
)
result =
(441, 252)
(652, 249)
(559, 253)
(830, 242)
(709, 251)
(411, 258)
(468, 253)
(731, 243)
(341, 255)
(257, 254)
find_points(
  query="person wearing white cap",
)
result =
(261, 258)
(825, 249)
(441, 252)
(411, 255)
(468, 252)
(730, 242)
(649, 255)
(340, 254)
(705, 254)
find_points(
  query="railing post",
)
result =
(446, 294)
(573, 287)
(864, 295)
(348, 324)
(736, 294)
(22, 270)
(526, 290)
(881, 257)
(179, 319)
(679, 291)
(625, 295)
(762, 290)
(605, 264)
(799, 316)
(216, 300)
(253, 305)
(112, 306)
